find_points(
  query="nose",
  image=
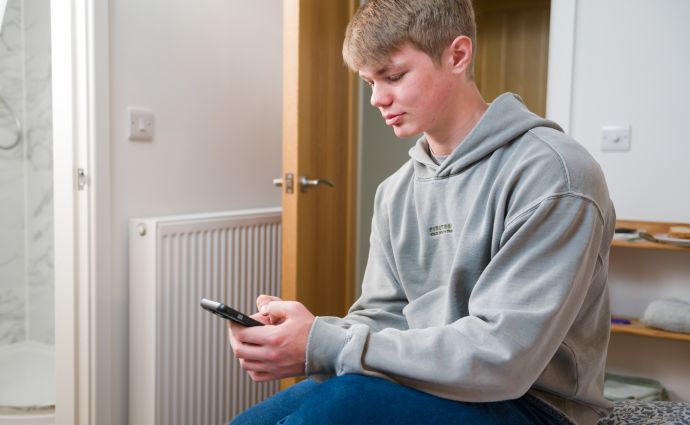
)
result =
(380, 96)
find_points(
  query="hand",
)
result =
(277, 350)
(262, 301)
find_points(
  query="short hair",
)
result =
(380, 27)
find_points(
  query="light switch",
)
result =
(615, 138)
(141, 124)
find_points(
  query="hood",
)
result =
(506, 119)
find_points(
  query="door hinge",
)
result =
(82, 179)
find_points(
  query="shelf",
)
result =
(653, 227)
(638, 328)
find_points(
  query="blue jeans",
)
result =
(361, 400)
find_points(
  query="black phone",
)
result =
(226, 312)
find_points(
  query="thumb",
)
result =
(277, 311)
(262, 300)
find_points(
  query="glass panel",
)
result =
(27, 331)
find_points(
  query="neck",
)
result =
(460, 118)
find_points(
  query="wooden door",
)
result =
(319, 142)
(513, 49)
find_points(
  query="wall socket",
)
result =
(615, 138)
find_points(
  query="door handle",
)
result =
(305, 183)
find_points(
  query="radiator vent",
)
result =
(182, 370)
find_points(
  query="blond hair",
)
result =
(380, 27)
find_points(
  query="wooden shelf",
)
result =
(653, 227)
(638, 328)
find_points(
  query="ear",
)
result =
(460, 54)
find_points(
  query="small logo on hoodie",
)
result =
(440, 229)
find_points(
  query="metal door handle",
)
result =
(305, 183)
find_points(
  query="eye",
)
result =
(395, 77)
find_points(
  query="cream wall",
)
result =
(211, 71)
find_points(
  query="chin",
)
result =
(405, 131)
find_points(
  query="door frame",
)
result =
(80, 97)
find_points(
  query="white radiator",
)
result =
(182, 371)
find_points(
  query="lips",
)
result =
(393, 119)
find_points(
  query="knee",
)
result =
(353, 386)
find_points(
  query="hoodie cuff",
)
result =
(324, 345)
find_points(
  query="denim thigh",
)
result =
(275, 408)
(358, 399)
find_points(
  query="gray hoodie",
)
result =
(486, 276)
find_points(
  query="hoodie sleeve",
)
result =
(519, 313)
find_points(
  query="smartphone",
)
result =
(226, 312)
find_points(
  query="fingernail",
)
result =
(263, 309)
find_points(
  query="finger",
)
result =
(253, 366)
(261, 318)
(278, 311)
(265, 299)
(261, 376)
(250, 352)
(256, 335)
(237, 334)
(232, 328)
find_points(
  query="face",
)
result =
(411, 91)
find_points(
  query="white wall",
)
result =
(630, 66)
(211, 71)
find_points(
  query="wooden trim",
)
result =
(652, 227)
(291, 52)
(636, 327)
(291, 11)
(352, 183)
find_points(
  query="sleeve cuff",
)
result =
(324, 345)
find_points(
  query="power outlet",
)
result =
(615, 138)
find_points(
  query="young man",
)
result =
(484, 299)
